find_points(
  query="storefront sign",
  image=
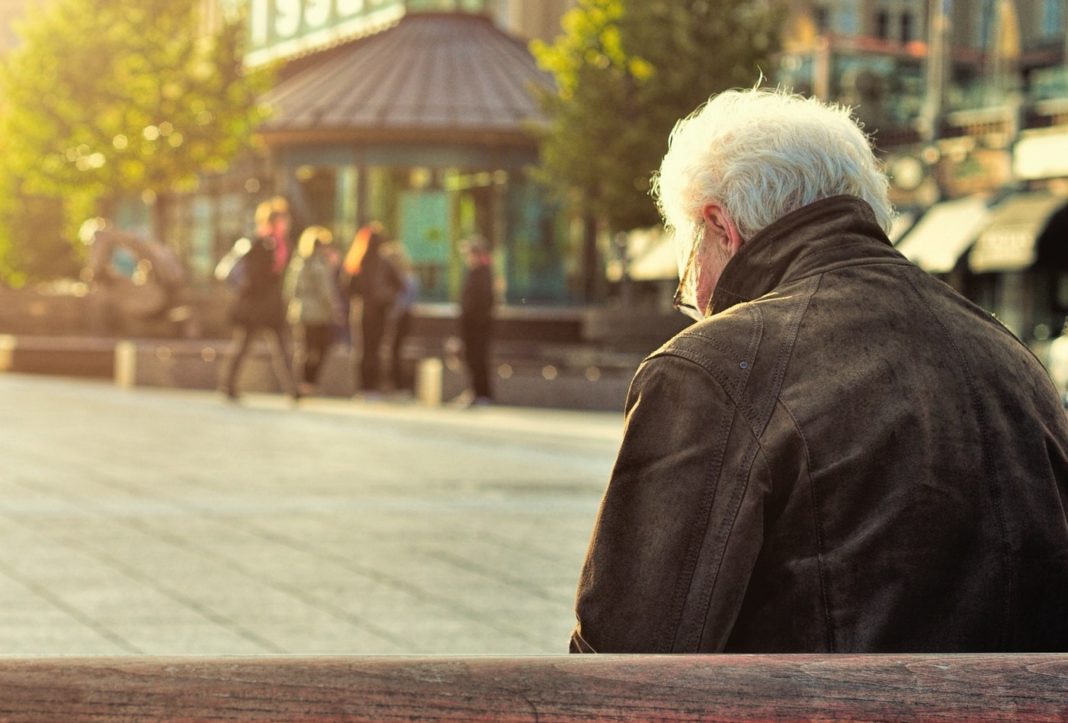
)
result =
(281, 28)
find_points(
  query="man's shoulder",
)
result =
(726, 338)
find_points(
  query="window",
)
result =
(984, 22)
(823, 19)
(882, 25)
(847, 18)
(841, 17)
(906, 27)
(1052, 19)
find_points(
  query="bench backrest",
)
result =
(530, 688)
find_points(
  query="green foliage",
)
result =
(38, 246)
(626, 71)
(105, 98)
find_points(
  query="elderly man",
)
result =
(842, 455)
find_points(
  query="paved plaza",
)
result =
(152, 522)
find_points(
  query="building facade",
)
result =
(873, 54)
(418, 113)
(977, 150)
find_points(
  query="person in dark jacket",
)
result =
(476, 319)
(374, 284)
(259, 305)
(400, 317)
(842, 454)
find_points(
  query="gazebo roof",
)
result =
(433, 77)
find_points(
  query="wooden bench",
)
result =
(886, 687)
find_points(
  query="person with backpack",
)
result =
(258, 276)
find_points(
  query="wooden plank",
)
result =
(988, 687)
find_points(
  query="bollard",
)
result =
(8, 343)
(428, 381)
(126, 364)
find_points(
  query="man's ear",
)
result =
(719, 220)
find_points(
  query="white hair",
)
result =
(762, 154)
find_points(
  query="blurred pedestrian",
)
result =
(373, 286)
(476, 318)
(400, 317)
(314, 304)
(334, 261)
(259, 305)
(349, 282)
(842, 455)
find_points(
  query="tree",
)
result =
(626, 71)
(106, 98)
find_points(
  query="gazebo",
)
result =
(427, 126)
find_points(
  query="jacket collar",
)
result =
(835, 231)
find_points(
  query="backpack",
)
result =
(232, 268)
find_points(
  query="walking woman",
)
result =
(314, 305)
(373, 286)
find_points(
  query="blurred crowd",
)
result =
(303, 298)
(317, 295)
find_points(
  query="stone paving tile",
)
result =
(114, 605)
(169, 523)
(170, 637)
(57, 640)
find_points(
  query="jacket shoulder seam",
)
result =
(817, 526)
(733, 396)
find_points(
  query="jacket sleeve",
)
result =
(292, 286)
(679, 527)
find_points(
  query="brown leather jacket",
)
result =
(847, 456)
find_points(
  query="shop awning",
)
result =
(944, 233)
(1009, 241)
(901, 225)
(1053, 241)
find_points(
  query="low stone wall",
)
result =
(517, 382)
(543, 355)
(89, 357)
(70, 310)
(28, 311)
